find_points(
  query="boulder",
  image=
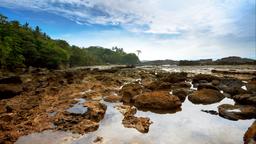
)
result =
(250, 135)
(181, 93)
(236, 112)
(159, 100)
(9, 90)
(205, 96)
(245, 99)
(128, 91)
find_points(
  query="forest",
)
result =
(22, 46)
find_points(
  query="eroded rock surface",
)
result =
(236, 112)
(205, 96)
(159, 100)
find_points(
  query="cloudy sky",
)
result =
(161, 29)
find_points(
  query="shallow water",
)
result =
(78, 108)
(190, 125)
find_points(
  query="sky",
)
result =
(161, 29)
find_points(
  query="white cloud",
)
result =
(201, 28)
(161, 16)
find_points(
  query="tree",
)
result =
(138, 52)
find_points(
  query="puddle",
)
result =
(78, 108)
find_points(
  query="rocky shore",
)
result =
(75, 100)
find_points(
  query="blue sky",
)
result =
(161, 29)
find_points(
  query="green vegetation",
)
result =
(23, 46)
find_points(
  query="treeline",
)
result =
(232, 60)
(23, 46)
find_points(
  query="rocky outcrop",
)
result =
(140, 123)
(250, 135)
(158, 85)
(81, 123)
(204, 77)
(205, 96)
(232, 86)
(9, 90)
(10, 86)
(236, 112)
(112, 98)
(181, 93)
(173, 77)
(245, 99)
(251, 86)
(159, 100)
(131, 121)
(129, 91)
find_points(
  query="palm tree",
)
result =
(138, 52)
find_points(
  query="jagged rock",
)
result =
(112, 98)
(140, 123)
(129, 91)
(205, 96)
(96, 110)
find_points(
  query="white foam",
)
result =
(234, 110)
(244, 87)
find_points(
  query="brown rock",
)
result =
(96, 110)
(11, 80)
(250, 135)
(158, 85)
(161, 100)
(205, 96)
(112, 98)
(236, 112)
(181, 93)
(140, 123)
(206, 77)
(181, 85)
(206, 86)
(245, 99)
(251, 86)
(173, 77)
(129, 91)
(9, 90)
(232, 86)
(85, 126)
